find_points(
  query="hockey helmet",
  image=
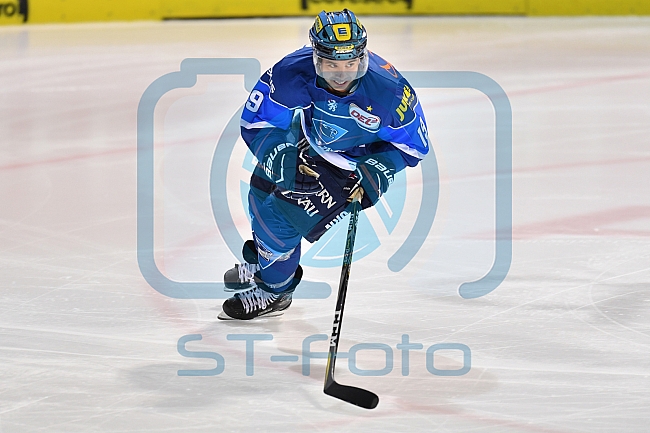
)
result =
(339, 36)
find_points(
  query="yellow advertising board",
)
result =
(62, 11)
(247, 8)
(589, 7)
(13, 12)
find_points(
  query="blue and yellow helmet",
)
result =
(339, 36)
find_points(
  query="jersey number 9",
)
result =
(254, 101)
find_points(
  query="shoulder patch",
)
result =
(408, 100)
(390, 69)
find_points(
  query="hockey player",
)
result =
(328, 124)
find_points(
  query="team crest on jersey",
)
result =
(364, 119)
(328, 132)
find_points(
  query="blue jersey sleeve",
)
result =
(264, 122)
(270, 108)
(407, 131)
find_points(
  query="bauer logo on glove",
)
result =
(376, 177)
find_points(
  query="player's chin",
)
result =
(340, 87)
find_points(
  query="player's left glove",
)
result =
(376, 175)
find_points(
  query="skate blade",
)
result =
(224, 316)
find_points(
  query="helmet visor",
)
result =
(339, 72)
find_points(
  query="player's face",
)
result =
(339, 74)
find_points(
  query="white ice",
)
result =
(561, 346)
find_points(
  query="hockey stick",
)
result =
(351, 394)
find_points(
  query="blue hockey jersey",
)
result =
(382, 108)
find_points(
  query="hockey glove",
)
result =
(291, 169)
(376, 175)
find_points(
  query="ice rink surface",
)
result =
(561, 346)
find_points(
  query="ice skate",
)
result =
(254, 303)
(242, 275)
(258, 302)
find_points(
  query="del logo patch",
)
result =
(364, 119)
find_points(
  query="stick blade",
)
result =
(353, 395)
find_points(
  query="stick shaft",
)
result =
(343, 289)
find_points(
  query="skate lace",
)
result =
(247, 272)
(256, 299)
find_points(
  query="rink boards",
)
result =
(62, 11)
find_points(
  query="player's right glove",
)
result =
(291, 169)
(376, 175)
